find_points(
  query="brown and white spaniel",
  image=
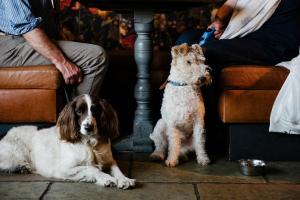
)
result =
(77, 148)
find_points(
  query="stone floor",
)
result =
(220, 180)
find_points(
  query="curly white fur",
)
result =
(181, 128)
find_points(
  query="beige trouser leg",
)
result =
(15, 51)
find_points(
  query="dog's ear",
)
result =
(174, 51)
(182, 49)
(109, 123)
(198, 51)
(67, 124)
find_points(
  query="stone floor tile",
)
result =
(124, 166)
(146, 191)
(24, 178)
(249, 191)
(219, 172)
(22, 190)
(283, 172)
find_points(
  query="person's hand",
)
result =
(70, 72)
(218, 25)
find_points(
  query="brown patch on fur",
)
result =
(197, 50)
(108, 120)
(67, 124)
(196, 88)
(103, 155)
(182, 49)
(205, 80)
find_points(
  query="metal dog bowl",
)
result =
(252, 167)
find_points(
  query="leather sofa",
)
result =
(245, 102)
(30, 95)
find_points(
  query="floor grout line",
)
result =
(236, 183)
(46, 190)
(196, 192)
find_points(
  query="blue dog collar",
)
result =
(175, 83)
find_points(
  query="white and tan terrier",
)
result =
(181, 128)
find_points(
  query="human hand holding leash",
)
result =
(70, 72)
(218, 27)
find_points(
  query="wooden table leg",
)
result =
(139, 141)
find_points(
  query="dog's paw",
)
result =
(157, 156)
(125, 183)
(107, 181)
(203, 161)
(171, 163)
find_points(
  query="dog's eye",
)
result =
(93, 109)
(189, 62)
(78, 111)
(208, 69)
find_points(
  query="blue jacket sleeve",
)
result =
(18, 18)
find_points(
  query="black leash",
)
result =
(66, 93)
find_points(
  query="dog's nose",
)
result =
(88, 127)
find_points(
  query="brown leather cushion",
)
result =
(246, 106)
(248, 92)
(28, 105)
(30, 77)
(253, 77)
(30, 94)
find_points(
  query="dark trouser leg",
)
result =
(241, 51)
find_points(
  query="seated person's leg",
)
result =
(190, 37)
(93, 62)
(90, 58)
(244, 51)
(15, 51)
